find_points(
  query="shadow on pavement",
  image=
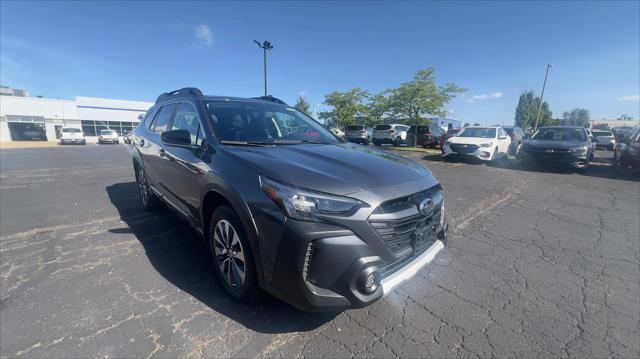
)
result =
(178, 253)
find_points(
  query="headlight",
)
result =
(488, 144)
(306, 205)
(580, 149)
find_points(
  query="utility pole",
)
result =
(265, 46)
(544, 84)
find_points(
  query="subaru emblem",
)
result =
(426, 207)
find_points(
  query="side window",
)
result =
(187, 119)
(148, 118)
(164, 117)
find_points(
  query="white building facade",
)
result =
(35, 118)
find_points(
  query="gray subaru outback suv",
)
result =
(283, 205)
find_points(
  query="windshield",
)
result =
(481, 132)
(602, 133)
(560, 134)
(355, 128)
(71, 130)
(107, 132)
(264, 122)
(382, 127)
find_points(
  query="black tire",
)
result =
(148, 199)
(225, 248)
(397, 142)
(117, 142)
(84, 142)
(376, 143)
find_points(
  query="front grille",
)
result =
(459, 148)
(402, 227)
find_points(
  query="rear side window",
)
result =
(187, 119)
(383, 127)
(164, 117)
(148, 118)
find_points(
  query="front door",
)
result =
(183, 165)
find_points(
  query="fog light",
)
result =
(371, 282)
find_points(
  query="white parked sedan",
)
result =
(108, 136)
(72, 135)
(483, 143)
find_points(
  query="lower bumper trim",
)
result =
(411, 269)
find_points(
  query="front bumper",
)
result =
(481, 153)
(323, 267)
(72, 140)
(574, 159)
(108, 140)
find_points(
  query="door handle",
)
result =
(141, 144)
(162, 153)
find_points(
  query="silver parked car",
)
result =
(395, 134)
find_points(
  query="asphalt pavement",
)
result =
(542, 263)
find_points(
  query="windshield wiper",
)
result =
(272, 142)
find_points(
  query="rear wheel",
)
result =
(231, 253)
(376, 143)
(149, 200)
(397, 141)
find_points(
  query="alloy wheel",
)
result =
(142, 186)
(229, 253)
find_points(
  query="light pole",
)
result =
(266, 45)
(544, 84)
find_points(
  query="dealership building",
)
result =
(25, 118)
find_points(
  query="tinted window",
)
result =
(602, 133)
(187, 119)
(164, 117)
(264, 122)
(148, 118)
(71, 130)
(382, 127)
(560, 134)
(355, 128)
(478, 132)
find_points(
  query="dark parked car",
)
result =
(626, 154)
(283, 204)
(558, 144)
(450, 133)
(516, 135)
(428, 136)
(358, 134)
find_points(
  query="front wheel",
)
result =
(232, 258)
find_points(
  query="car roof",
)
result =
(562, 127)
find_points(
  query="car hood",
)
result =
(553, 144)
(471, 140)
(339, 169)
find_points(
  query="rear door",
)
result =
(182, 164)
(503, 140)
(155, 165)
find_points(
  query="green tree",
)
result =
(466, 124)
(302, 104)
(347, 106)
(527, 110)
(376, 109)
(421, 97)
(576, 117)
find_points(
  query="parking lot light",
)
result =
(544, 84)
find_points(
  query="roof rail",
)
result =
(186, 91)
(270, 99)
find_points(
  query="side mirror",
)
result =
(181, 138)
(526, 137)
(594, 139)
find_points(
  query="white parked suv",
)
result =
(395, 134)
(108, 136)
(483, 143)
(72, 135)
(604, 139)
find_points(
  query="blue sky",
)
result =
(135, 50)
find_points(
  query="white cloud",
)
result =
(204, 34)
(629, 98)
(450, 111)
(483, 96)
